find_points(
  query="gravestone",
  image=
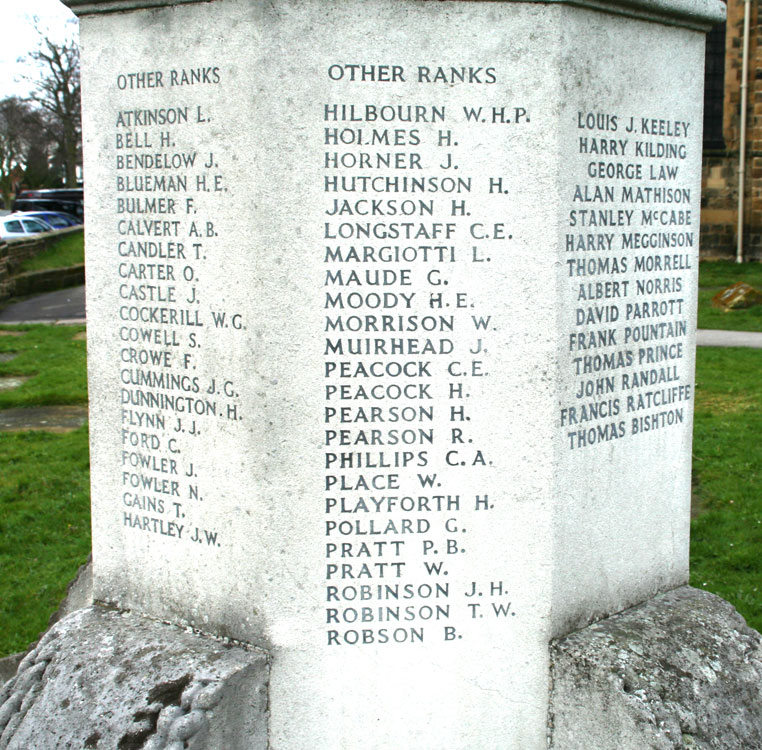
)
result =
(391, 336)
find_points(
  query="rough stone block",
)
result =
(737, 297)
(682, 670)
(9, 665)
(109, 680)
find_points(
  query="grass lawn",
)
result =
(44, 484)
(44, 493)
(68, 251)
(44, 528)
(54, 359)
(716, 275)
(726, 540)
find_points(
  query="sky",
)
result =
(19, 38)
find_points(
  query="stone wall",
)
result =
(20, 250)
(14, 252)
(719, 195)
(720, 167)
(23, 249)
(4, 272)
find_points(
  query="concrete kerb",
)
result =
(41, 321)
(711, 337)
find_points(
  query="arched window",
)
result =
(714, 88)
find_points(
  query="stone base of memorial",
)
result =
(679, 671)
(106, 679)
(391, 337)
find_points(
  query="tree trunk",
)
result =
(70, 157)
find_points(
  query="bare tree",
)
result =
(15, 123)
(42, 168)
(57, 92)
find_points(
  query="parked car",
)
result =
(68, 194)
(15, 226)
(56, 219)
(68, 200)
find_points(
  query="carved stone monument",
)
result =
(391, 336)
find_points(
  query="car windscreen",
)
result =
(32, 226)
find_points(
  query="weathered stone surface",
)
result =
(737, 297)
(79, 593)
(698, 14)
(682, 670)
(82, 7)
(105, 679)
(249, 478)
(9, 665)
(48, 418)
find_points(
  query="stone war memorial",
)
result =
(391, 332)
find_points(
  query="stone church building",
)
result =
(722, 194)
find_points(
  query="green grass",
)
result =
(44, 494)
(44, 484)
(726, 540)
(714, 276)
(68, 251)
(54, 360)
(44, 528)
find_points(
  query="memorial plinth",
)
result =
(391, 337)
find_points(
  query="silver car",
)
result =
(15, 226)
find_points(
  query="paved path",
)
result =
(709, 337)
(49, 418)
(68, 306)
(62, 307)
